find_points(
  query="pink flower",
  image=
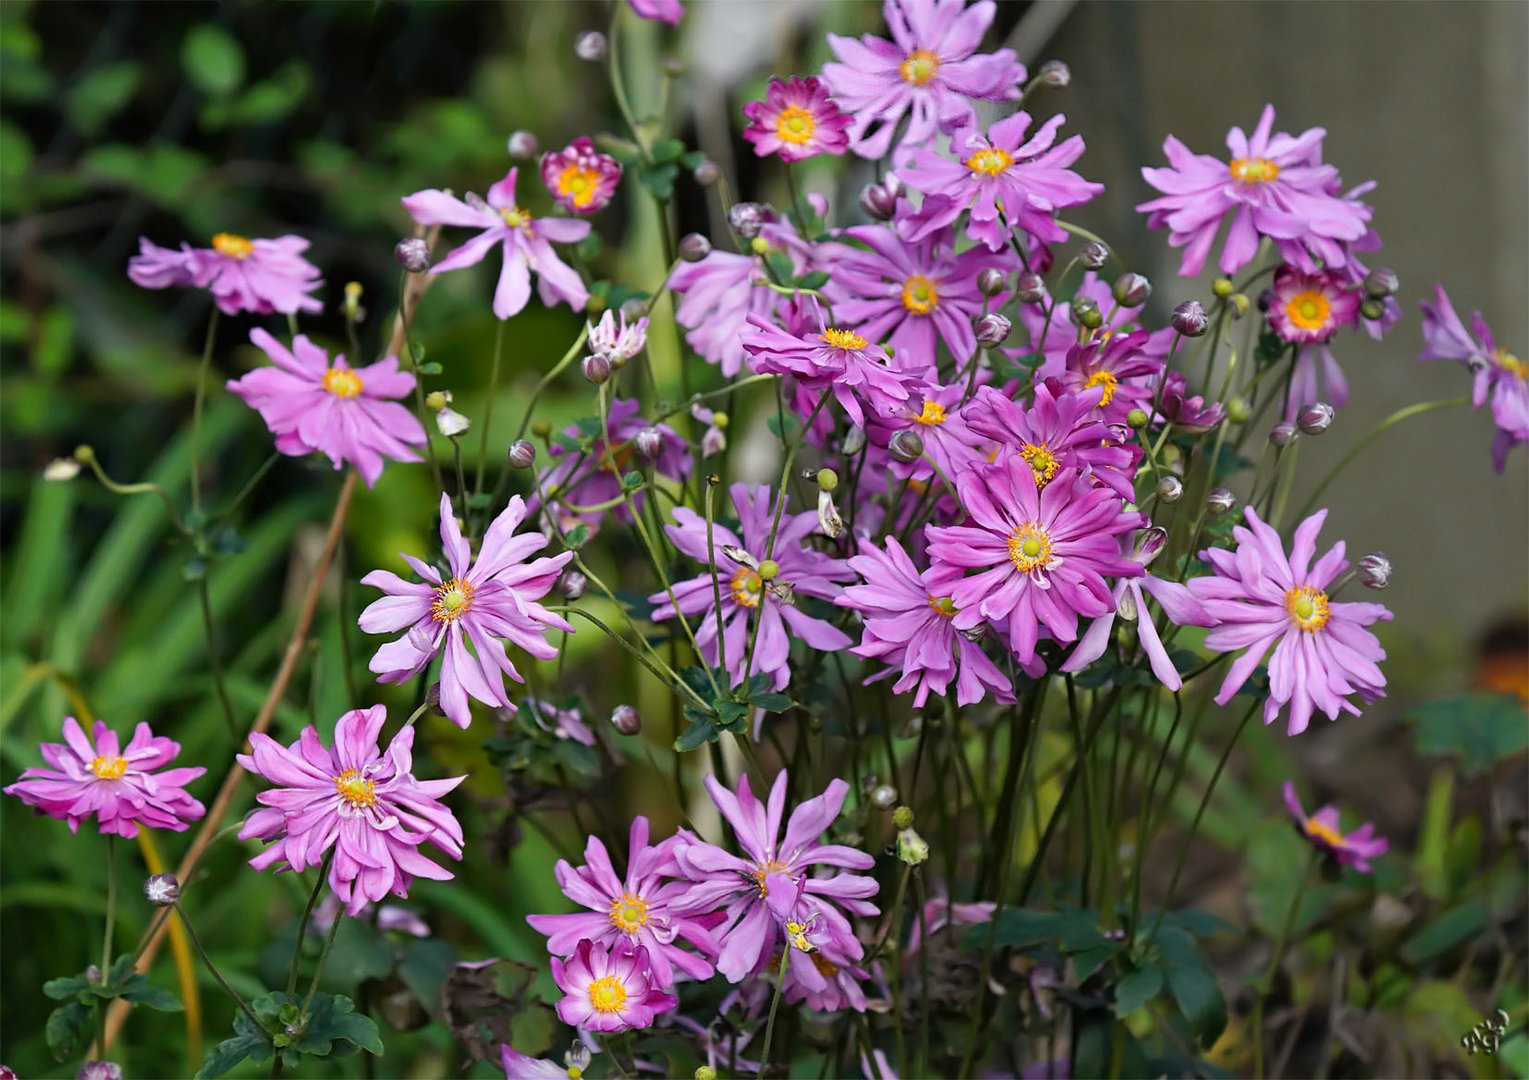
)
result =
(579, 177)
(617, 342)
(484, 600)
(594, 478)
(120, 787)
(1308, 309)
(1259, 597)
(517, 1066)
(341, 412)
(668, 11)
(366, 805)
(526, 243)
(1052, 333)
(797, 120)
(1122, 365)
(257, 276)
(609, 989)
(1322, 830)
(1498, 373)
(1058, 431)
(939, 419)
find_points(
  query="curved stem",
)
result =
(780, 981)
(318, 972)
(196, 411)
(302, 927)
(201, 951)
(1279, 951)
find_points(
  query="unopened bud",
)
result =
(353, 309)
(99, 1070)
(649, 442)
(1093, 255)
(1373, 309)
(992, 329)
(828, 480)
(854, 441)
(902, 817)
(590, 46)
(571, 584)
(1220, 500)
(769, 570)
(707, 173)
(541, 428)
(884, 797)
(60, 469)
(694, 247)
(626, 719)
(413, 254)
(1137, 419)
(878, 201)
(1170, 489)
(162, 890)
(1315, 418)
(1055, 73)
(1238, 410)
(830, 522)
(912, 848)
(1030, 289)
(1265, 300)
(746, 219)
(596, 368)
(1240, 305)
(1223, 287)
(84, 453)
(93, 975)
(523, 145)
(433, 698)
(705, 1072)
(906, 446)
(577, 1057)
(1375, 570)
(1086, 313)
(1381, 283)
(522, 454)
(990, 282)
(437, 400)
(1282, 434)
(451, 423)
(1189, 319)
(1132, 290)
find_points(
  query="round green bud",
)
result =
(436, 400)
(828, 480)
(1240, 304)
(902, 817)
(541, 428)
(1093, 318)
(84, 453)
(705, 1072)
(1372, 309)
(769, 570)
(1137, 419)
(760, 245)
(719, 420)
(1223, 287)
(1238, 410)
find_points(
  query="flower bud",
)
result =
(902, 817)
(769, 570)
(830, 522)
(99, 1070)
(1240, 305)
(93, 975)
(854, 441)
(626, 720)
(451, 423)
(437, 400)
(1132, 290)
(1030, 289)
(84, 453)
(1281, 435)
(1170, 489)
(828, 480)
(760, 246)
(746, 219)
(991, 281)
(912, 848)
(1056, 74)
(1189, 319)
(162, 890)
(522, 454)
(906, 446)
(577, 1057)
(596, 368)
(674, 66)
(707, 173)
(1222, 287)
(1093, 255)
(1086, 313)
(541, 428)
(1265, 301)
(1137, 419)
(1381, 283)
(649, 442)
(60, 469)
(705, 1072)
(571, 584)
(694, 247)
(884, 797)
(1238, 410)
(1220, 500)
(353, 309)
(1316, 418)
(1375, 570)
(878, 201)
(1373, 309)
(590, 46)
(413, 254)
(523, 145)
(433, 698)
(992, 329)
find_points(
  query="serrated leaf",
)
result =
(212, 60)
(67, 1028)
(577, 536)
(1136, 988)
(702, 729)
(773, 702)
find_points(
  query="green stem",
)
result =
(106, 938)
(780, 982)
(302, 927)
(201, 951)
(488, 408)
(1267, 983)
(215, 656)
(250, 484)
(196, 411)
(318, 972)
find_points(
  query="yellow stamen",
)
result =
(108, 767)
(920, 295)
(843, 339)
(794, 125)
(919, 67)
(796, 934)
(1319, 831)
(1029, 548)
(233, 245)
(452, 599)
(989, 162)
(342, 382)
(582, 183)
(943, 606)
(764, 870)
(1307, 608)
(747, 587)
(1309, 310)
(355, 788)
(516, 218)
(933, 413)
(1510, 363)
(607, 995)
(1253, 170)
(1042, 462)
(629, 913)
(1105, 379)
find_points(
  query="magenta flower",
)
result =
(1276, 185)
(1188, 413)
(365, 804)
(1005, 181)
(1259, 597)
(826, 974)
(517, 1066)
(257, 276)
(797, 120)
(526, 243)
(347, 414)
(560, 723)
(927, 72)
(1322, 830)
(1498, 373)
(668, 11)
(1119, 363)
(608, 989)
(800, 570)
(1307, 310)
(1058, 431)
(594, 478)
(579, 177)
(484, 600)
(1043, 554)
(760, 891)
(637, 909)
(909, 623)
(940, 421)
(1055, 338)
(119, 786)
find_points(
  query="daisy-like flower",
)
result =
(1499, 374)
(313, 405)
(616, 339)
(579, 177)
(1189, 413)
(123, 788)
(1323, 831)
(909, 623)
(635, 909)
(559, 723)
(822, 968)
(526, 243)
(1276, 186)
(1058, 431)
(939, 420)
(747, 593)
(669, 11)
(609, 989)
(1259, 597)
(594, 478)
(1130, 603)
(761, 890)
(364, 803)
(928, 72)
(256, 276)
(1006, 181)
(1056, 337)
(484, 600)
(1307, 310)
(1043, 554)
(517, 1066)
(1121, 366)
(796, 120)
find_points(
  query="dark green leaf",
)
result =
(1192, 984)
(67, 1029)
(417, 353)
(773, 422)
(1138, 987)
(781, 267)
(631, 480)
(1198, 923)
(730, 714)
(659, 181)
(693, 159)
(271, 99)
(668, 150)
(228, 1053)
(101, 93)
(577, 536)
(1450, 929)
(815, 280)
(212, 60)
(702, 729)
(141, 992)
(62, 989)
(432, 368)
(481, 500)
(773, 702)
(1480, 729)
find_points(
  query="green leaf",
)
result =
(100, 94)
(773, 702)
(632, 480)
(67, 1029)
(272, 99)
(1193, 984)
(659, 180)
(781, 267)
(141, 992)
(62, 989)
(670, 149)
(701, 730)
(481, 500)
(1480, 729)
(1137, 988)
(577, 536)
(228, 1053)
(332, 1018)
(432, 368)
(694, 159)
(212, 60)
(1447, 931)
(815, 280)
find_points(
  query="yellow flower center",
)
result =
(764, 870)
(233, 245)
(794, 125)
(516, 218)
(575, 180)
(1042, 462)
(452, 599)
(943, 606)
(747, 587)
(843, 339)
(989, 162)
(1319, 831)
(342, 382)
(920, 295)
(919, 67)
(355, 788)
(607, 995)
(1310, 310)
(1510, 363)
(796, 934)
(629, 913)
(934, 413)
(1029, 548)
(1106, 380)
(1307, 608)
(109, 767)
(1253, 170)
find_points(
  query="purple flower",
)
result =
(579, 177)
(1058, 431)
(608, 989)
(517, 1066)
(526, 242)
(1259, 597)
(484, 600)
(560, 723)
(1307, 310)
(825, 974)
(1043, 554)
(617, 342)
(1322, 830)
(347, 414)
(797, 120)
(1188, 413)
(909, 623)
(762, 889)
(1277, 187)
(940, 421)
(668, 11)
(800, 570)
(119, 786)
(1121, 365)
(1053, 333)
(593, 478)
(1005, 181)
(636, 909)
(366, 805)
(257, 276)
(1498, 373)
(927, 72)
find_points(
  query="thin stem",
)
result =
(546, 380)
(318, 972)
(1279, 951)
(196, 411)
(201, 951)
(106, 938)
(302, 927)
(250, 484)
(215, 657)
(488, 408)
(780, 982)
